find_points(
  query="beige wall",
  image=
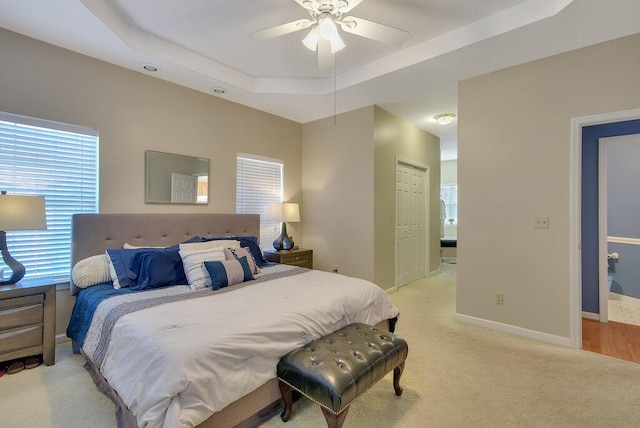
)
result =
(393, 138)
(337, 211)
(134, 112)
(349, 190)
(449, 172)
(513, 165)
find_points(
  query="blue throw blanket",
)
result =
(87, 302)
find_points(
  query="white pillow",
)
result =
(224, 243)
(112, 272)
(91, 271)
(193, 263)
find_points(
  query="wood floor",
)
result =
(612, 338)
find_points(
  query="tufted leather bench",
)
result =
(336, 369)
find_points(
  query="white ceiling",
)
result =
(204, 44)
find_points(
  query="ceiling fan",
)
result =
(326, 16)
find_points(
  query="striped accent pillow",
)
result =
(228, 272)
(236, 253)
(193, 263)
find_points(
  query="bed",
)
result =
(173, 356)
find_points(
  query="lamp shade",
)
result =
(290, 212)
(22, 212)
(283, 211)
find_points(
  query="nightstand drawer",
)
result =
(21, 301)
(23, 315)
(19, 338)
(299, 257)
(301, 261)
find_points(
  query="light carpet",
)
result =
(456, 375)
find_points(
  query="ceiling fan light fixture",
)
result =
(337, 44)
(327, 25)
(444, 118)
(329, 31)
(311, 41)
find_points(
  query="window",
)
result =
(59, 162)
(449, 194)
(258, 183)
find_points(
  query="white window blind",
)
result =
(258, 183)
(57, 161)
(449, 194)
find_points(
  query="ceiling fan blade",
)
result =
(372, 30)
(326, 58)
(281, 30)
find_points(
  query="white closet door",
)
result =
(411, 221)
(403, 224)
(418, 215)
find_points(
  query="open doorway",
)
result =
(584, 237)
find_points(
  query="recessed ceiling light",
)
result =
(218, 90)
(150, 67)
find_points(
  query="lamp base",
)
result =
(284, 241)
(16, 267)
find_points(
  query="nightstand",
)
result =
(300, 257)
(28, 320)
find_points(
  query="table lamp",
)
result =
(284, 212)
(19, 212)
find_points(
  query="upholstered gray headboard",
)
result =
(92, 234)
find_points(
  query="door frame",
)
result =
(427, 234)
(575, 212)
(603, 294)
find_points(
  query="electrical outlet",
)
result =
(499, 299)
(541, 223)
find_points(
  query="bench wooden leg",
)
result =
(397, 372)
(333, 420)
(287, 396)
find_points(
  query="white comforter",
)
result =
(175, 364)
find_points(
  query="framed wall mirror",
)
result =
(175, 179)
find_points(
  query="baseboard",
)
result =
(590, 316)
(61, 338)
(433, 273)
(518, 331)
(391, 290)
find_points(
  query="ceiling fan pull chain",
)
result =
(335, 96)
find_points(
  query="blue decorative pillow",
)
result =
(157, 268)
(121, 261)
(250, 242)
(228, 272)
